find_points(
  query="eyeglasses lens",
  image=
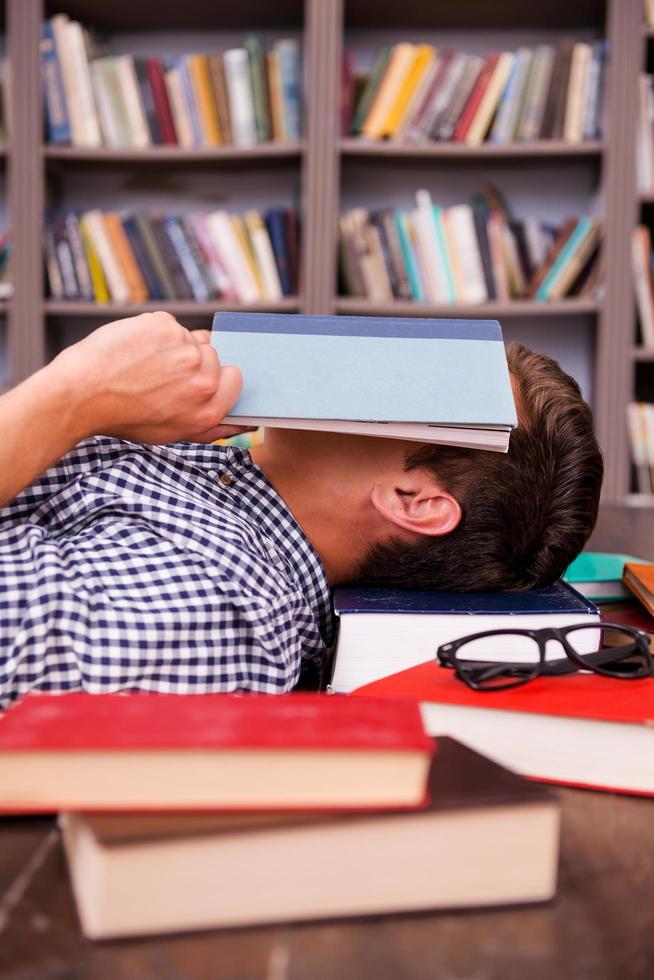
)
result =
(610, 650)
(498, 661)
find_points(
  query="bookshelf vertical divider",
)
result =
(320, 189)
(613, 368)
(27, 349)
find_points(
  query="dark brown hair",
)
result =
(526, 514)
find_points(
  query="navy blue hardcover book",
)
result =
(440, 381)
(383, 631)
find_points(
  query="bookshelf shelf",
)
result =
(108, 311)
(263, 152)
(141, 15)
(516, 308)
(486, 151)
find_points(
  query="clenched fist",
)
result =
(149, 379)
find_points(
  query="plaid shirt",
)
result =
(159, 568)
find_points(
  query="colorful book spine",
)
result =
(53, 86)
(288, 57)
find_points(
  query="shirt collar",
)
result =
(265, 505)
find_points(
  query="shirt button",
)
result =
(225, 479)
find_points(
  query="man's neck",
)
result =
(325, 481)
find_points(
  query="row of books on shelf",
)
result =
(468, 253)
(416, 92)
(133, 257)
(640, 429)
(240, 97)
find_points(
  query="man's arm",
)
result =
(145, 378)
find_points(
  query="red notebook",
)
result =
(582, 729)
(215, 751)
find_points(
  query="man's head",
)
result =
(498, 521)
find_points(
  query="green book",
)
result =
(370, 90)
(256, 61)
(598, 575)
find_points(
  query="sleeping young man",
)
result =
(194, 568)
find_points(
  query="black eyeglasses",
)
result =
(604, 648)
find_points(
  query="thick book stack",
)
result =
(240, 97)
(469, 253)
(270, 809)
(415, 92)
(130, 258)
(640, 429)
(580, 728)
(642, 257)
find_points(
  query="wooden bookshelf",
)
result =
(322, 163)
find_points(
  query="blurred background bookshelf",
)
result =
(326, 170)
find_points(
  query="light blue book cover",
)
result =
(372, 369)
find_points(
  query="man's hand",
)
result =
(148, 379)
(145, 378)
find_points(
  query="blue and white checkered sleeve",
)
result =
(83, 457)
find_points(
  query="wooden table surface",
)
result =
(601, 927)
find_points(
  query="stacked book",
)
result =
(578, 728)
(416, 92)
(130, 258)
(642, 257)
(469, 253)
(640, 429)
(240, 97)
(184, 813)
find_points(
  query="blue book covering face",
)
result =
(559, 598)
(376, 369)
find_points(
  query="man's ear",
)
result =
(416, 502)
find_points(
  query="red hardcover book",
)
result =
(475, 97)
(215, 751)
(157, 81)
(581, 729)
